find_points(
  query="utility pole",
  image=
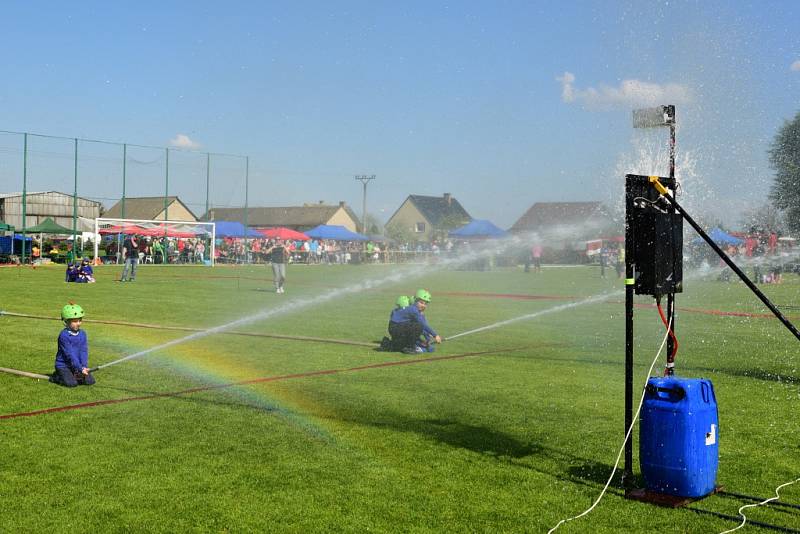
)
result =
(364, 179)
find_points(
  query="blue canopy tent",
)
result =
(719, 237)
(233, 229)
(335, 232)
(479, 228)
(13, 244)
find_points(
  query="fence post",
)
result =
(24, 196)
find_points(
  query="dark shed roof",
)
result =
(143, 208)
(434, 209)
(586, 215)
(296, 217)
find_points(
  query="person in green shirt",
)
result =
(157, 250)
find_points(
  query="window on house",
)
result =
(420, 227)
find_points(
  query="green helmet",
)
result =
(403, 301)
(423, 295)
(71, 311)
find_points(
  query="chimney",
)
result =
(448, 198)
(341, 203)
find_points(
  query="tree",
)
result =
(449, 222)
(763, 219)
(373, 224)
(784, 157)
(400, 233)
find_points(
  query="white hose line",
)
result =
(26, 374)
(765, 501)
(554, 309)
(627, 436)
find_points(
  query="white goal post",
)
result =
(172, 231)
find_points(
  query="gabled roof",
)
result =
(548, 214)
(144, 208)
(33, 193)
(289, 216)
(434, 209)
(19, 194)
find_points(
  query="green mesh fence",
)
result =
(72, 181)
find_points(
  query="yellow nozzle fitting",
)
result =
(658, 185)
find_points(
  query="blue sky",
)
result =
(469, 98)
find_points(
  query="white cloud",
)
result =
(795, 66)
(629, 93)
(183, 141)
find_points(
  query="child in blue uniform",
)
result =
(407, 325)
(401, 302)
(86, 273)
(72, 357)
(72, 273)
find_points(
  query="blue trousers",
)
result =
(278, 274)
(67, 378)
(405, 335)
(132, 263)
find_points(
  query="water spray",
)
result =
(670, 199)
(297, 305)
(653, 266)
(190, 329)
(554, 309)
(401, 275)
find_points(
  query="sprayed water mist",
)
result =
(554, 309)
(402, 274)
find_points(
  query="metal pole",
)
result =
(166, 190)
(24, 196)
(627, 472)
(96, 242)
(735, 268)
(208, 179)
(124, 180)
(213, 245)
(75, 203)
(364, 179)
(672, 149)
(364, 210)
(124, 175)
(246, 201)
(671, 296)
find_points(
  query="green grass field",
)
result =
(510, 440)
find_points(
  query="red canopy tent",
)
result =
(283, 233)
(127, 229)
(131, 229)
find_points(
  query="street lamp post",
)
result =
(364, 179)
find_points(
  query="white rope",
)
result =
(775, 498)
(622, 448)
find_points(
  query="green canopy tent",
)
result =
(6, 227)
(49, 226)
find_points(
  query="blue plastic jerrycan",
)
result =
(679, 436)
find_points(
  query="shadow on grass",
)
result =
(478, 439)
(471, 437)
(757, 374)
(507, 448)
(598, 473)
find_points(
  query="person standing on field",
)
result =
(130, 251)
(278, 255)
